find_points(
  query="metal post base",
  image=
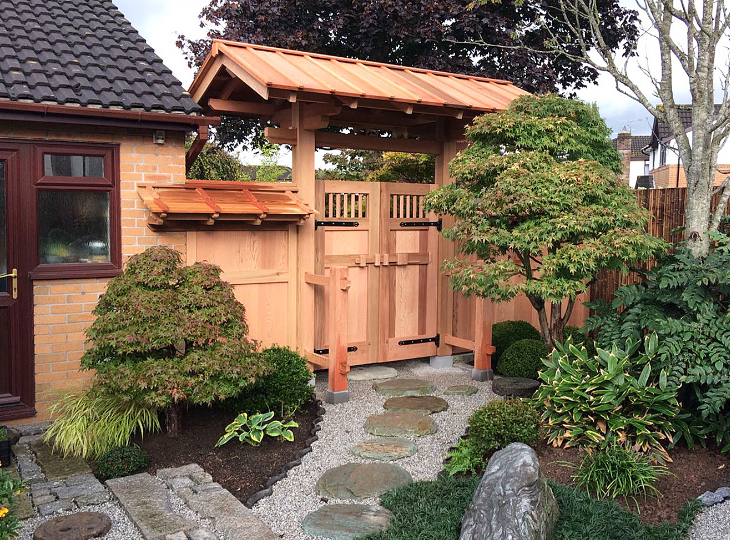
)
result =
(482, 375)
(335, 398)
(442, 361)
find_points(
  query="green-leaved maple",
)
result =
(538, 201)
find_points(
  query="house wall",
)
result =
(666, 176)
(636, 169)
(62, 308)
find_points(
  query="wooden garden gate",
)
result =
(389, 244)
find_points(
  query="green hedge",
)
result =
(523, 359)
(506, 333)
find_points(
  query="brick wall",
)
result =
(62, 308)
(666, 176)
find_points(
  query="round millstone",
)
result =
(400, 424)
(461, 390)
(80, 526)
(514, 386)
(361, 480)
(404, 387)
(417, 404)
(372, 373)
(385, 449)
(346, 521)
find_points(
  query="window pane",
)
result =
(3, 230)
(73, 227)
(60, 165)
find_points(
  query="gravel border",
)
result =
(712, 523)
(294, 497)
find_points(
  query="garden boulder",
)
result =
(513, 500)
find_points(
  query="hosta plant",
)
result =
(612, 396)
(252, 429)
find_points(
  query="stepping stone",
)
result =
(404, 387)
(361, 480)
(514, 386)
(80, 526)
(346, 521)
(417, 404)
(55, 466)
(400, 424)
(385, 449)
(372, 373)
(461, 390)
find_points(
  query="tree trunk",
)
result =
(697, 207)
(172, 420)
(557, 324)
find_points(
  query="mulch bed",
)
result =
(694, 472)
(239, 467)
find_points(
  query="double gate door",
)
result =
(381, 232)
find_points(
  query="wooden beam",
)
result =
(338, 329)
(358, 142)
(245, 77)
(458, 342)
(210, 74)
(197, 147)
(229, 88)
(245, 108)
(316, 279)
(483, 348)
(446, 250)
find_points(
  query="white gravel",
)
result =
(294, 496)
(712, 523)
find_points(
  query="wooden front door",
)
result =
(17, 384)
(379, 231)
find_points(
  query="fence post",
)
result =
(338, 333)
(483, 348)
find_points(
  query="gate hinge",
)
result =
(352, 348)
(435, 339)
(318, 224)
(438, 224)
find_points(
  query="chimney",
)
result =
(623, 145)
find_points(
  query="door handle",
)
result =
(13, 275)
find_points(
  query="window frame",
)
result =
(109, 183)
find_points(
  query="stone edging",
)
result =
(269, 489)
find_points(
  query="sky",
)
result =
(160, 22)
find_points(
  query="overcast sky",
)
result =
(160, 21)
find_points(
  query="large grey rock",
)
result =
(372, 373)
(400, 424)
(461, 390)
(361, 480)
(346, 521)
(417, 404)
(385, 448)
(514, 386)
(404, 387)
(513, 500)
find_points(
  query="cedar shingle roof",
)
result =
(84, 53)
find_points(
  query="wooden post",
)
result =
(338, 333)
(483, 348)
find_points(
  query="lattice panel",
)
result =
(406, 206)
(345, 205)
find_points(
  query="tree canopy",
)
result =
(537, 200)
(374, 166)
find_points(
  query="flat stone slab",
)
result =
(404, 387)
(55, 466)
(372, 373)
(346, 521)
(361, 480)
(79, 526)
(146, 502)
(418, 404)
(400, 424)
(385, 449)
(461, 390)
(514, 386)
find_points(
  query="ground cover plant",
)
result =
(121, 461)
(523, 359)
(9, 489)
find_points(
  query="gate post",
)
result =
(483, 348)
(339, 284)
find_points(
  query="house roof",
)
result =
(274, 73)
(638, 143)
(661, 131)
(82, 53)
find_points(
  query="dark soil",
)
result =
(239, 467)
(693, 473)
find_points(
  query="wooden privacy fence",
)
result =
(667, 208)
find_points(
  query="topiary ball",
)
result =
(506, 333)
(121, 461)
(523, 359)
(502, 422)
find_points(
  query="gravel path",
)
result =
(294, 496)
(712, 524)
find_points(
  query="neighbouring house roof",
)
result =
(661, 131)
(82, 53)
(638, 143)
(272, 73)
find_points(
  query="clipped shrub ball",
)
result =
(283, 390)
(523, 359)
(506, 333)
(502, 422)
(121, 461)
(580, 339)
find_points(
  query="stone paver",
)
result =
(346, 521)
(417, 404)
(385, 449)
(400, 424)
(514, 386)
(461, 390)
(147, 504)
(56, 466)
(404, 387)
(372, 373)
(80, 491)
(79, 526)
(361, 480)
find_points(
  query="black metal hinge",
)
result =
(435, 339)
(336, 224)
(437, 224)
(326, 351)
